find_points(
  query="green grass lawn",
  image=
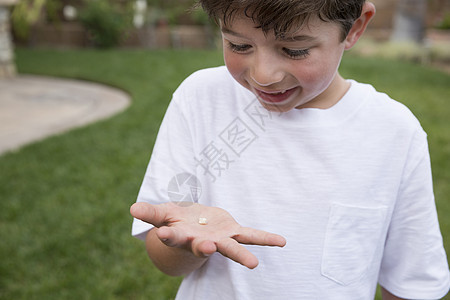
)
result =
(64, 202)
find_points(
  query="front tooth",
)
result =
(283, 92)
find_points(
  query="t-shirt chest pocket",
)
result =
(352, 237)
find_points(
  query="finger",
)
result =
(203, 248)
(153, 214)
(252, 236)
(172, 237)
(234, 251)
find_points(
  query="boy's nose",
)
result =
(266, 71)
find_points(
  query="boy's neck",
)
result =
(332, 95)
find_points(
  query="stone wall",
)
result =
(73, 35)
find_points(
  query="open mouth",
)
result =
(276, 96)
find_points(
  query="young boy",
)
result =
(279, 142)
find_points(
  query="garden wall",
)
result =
(73, 34)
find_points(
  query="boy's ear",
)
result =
(360, 25)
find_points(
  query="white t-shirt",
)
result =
(349, 188)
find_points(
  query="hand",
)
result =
(178, 226)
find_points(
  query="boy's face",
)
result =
(297, 71)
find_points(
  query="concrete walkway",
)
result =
(34, 107)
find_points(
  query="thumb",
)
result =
(153, 214)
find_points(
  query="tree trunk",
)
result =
(409, 21)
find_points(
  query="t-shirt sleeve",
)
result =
(414, 264)
(172, 155)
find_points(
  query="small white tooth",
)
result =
(283, 92)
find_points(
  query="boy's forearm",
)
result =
(386, 295)
(171, 261)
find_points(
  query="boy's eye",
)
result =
(238, 47)
(296, 54)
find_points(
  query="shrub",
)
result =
(105, 22)
(25, 14)
(445, 22)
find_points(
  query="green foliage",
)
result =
(445, 22)
(24, 15)
(199, 16)
(28, 12)
(106, 22)
(179, 11)
(52, 8)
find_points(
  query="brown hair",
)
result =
(283, 15)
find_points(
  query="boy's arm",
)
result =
(186, 235)
(386, 295)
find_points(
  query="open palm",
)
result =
(179, 226)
